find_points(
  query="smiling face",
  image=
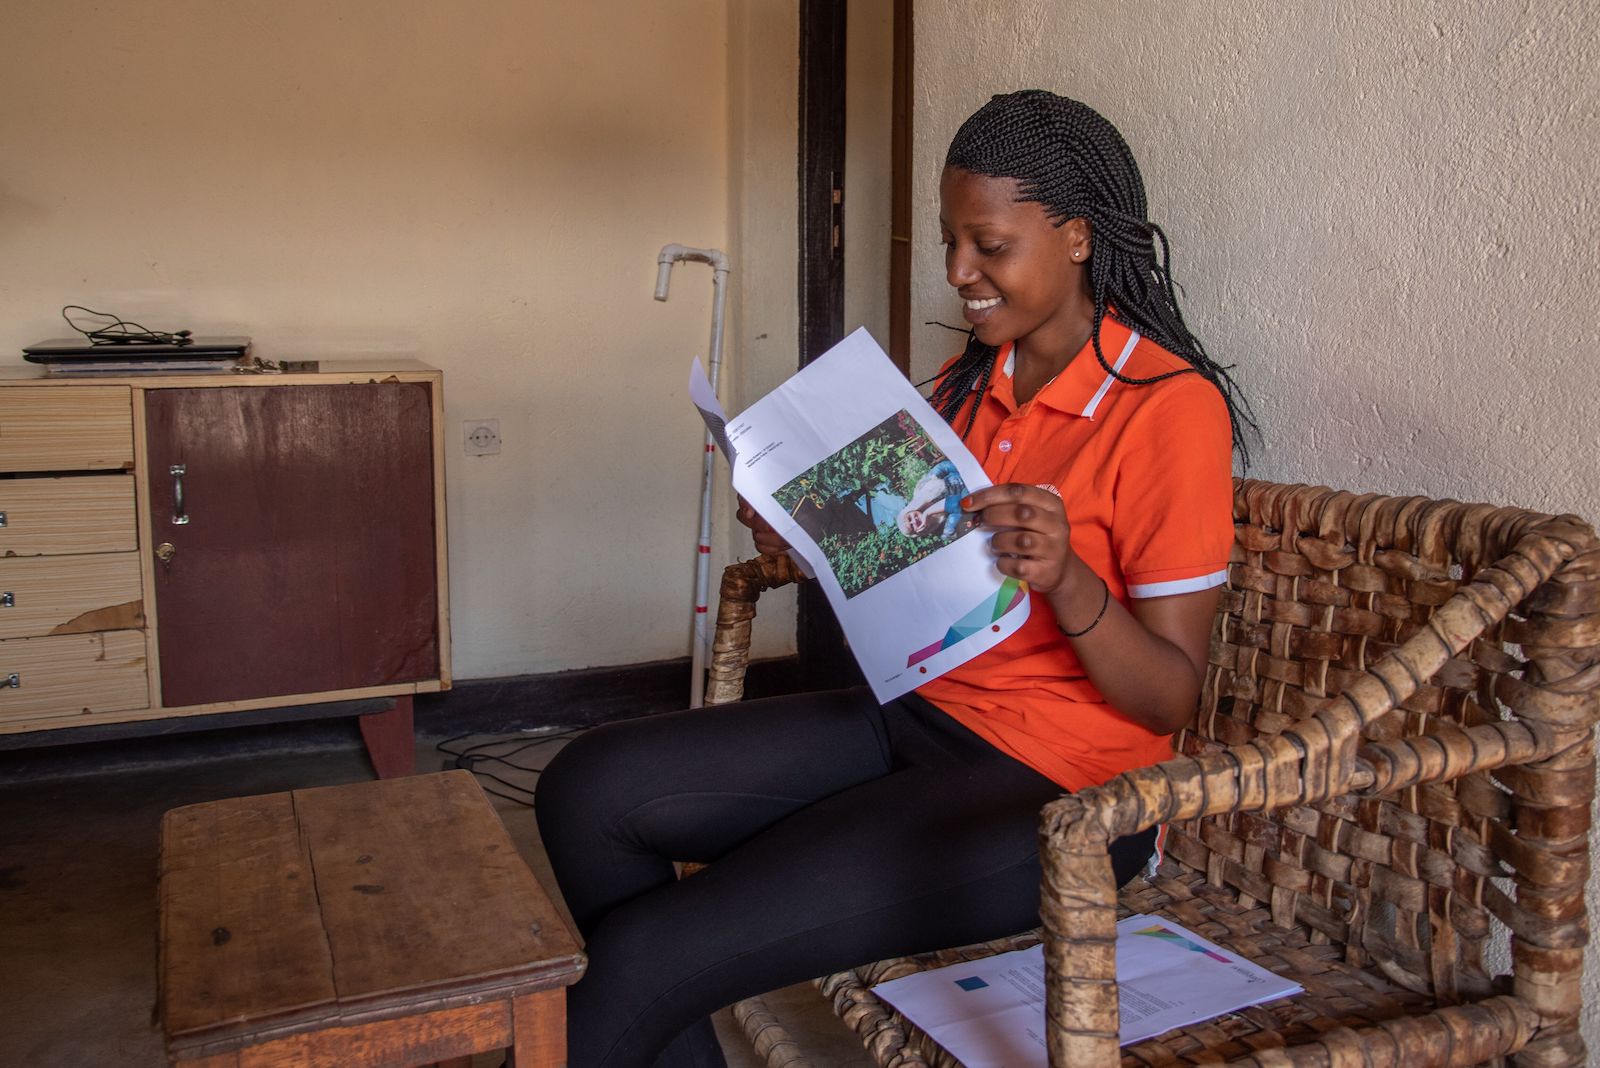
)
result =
(1020, 277)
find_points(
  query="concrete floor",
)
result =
(78, 902)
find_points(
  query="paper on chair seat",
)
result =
(989, 1013)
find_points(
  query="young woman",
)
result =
(840, 831)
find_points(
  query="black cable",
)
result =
(469, 758)
(526, 802)
(123, 332)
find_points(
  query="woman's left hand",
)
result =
(1031, 533)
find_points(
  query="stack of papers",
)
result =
(990, 1013)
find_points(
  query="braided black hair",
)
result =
(1072, 161)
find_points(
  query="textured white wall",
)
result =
(1383, 211)
(481, 186)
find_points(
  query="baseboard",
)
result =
(581, 698)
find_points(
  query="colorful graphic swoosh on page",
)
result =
(1172, 936)
(1009, 596)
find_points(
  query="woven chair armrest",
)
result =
(742, 584)
(1321, 756)
(1312, 760)
(1449, 752)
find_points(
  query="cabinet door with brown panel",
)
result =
(294, 529)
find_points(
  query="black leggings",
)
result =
(837, 831)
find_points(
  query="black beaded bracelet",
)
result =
(1097, 617)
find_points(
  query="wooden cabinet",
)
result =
(183, 545)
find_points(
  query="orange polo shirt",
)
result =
(1145, 472)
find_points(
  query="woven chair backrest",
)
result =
(1436, 884)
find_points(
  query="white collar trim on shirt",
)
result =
(1116, 368)
(1105, 387)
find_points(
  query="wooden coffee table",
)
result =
(384, 923)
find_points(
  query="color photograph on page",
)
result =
(851, 467)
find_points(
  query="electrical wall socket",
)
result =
(482, 436)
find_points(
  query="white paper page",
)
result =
(705, 399)
(1009, 1038)
(991, 1012)
(1167, 977)
(710, 407)
(841, 459)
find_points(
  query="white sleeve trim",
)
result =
(1188, 585)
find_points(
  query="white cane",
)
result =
(702, 565)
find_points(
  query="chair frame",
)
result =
(1388, 783)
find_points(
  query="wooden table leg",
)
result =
(539, 1029)
(391, 742)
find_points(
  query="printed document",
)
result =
(851, 467)
(990, 1013)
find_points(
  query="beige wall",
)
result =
(1384, 212)
(484, 186)
(481, 186)
(868, 125)
(764, 330)
(764, 327)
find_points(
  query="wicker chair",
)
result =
(1385, 795)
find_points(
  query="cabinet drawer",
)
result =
(70, 594)
(73, 673)
(56, 516)
(66, 428)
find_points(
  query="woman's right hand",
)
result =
(767, 541)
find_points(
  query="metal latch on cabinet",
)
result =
(179, 515)
(12, 681)
(7, 600)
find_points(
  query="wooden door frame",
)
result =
(900, 149)
(825, 663)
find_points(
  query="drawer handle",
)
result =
(179, 515)
(2, 519)
(8, 600)
(12, 681)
